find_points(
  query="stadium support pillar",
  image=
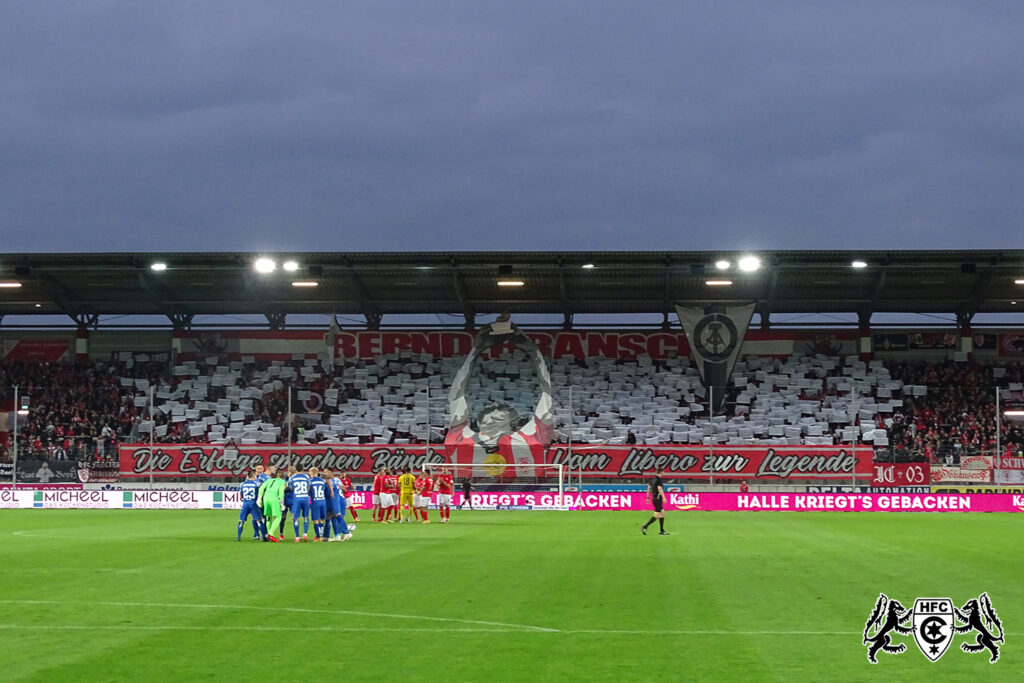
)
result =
(176, 336)
(966, 341)
(864, 336)
(82, 344)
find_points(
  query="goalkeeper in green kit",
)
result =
(271, 499)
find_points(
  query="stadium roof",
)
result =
(85, 286)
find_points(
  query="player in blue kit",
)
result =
(262, 476)
(318, 502)
(249, 492)
(289, 500)
(300, 508)
(338, 504)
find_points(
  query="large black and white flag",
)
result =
(715, 333)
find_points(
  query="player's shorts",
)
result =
(272, 508)
(406, 500)
(376, 499)
(444, 499)
(416, 498)
(249, 507)
(658, 504)
(318, 509)
(349, 501)
(392, 500)
(301, 508)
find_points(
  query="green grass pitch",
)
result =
(494, 596)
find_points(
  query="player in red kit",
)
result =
(348, 494)
(425, 486)
(445, 485)
(743, 486)
(378, 487)
(391, 489)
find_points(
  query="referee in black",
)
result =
(467, 488)
(656, 492)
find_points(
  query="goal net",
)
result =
(494, 477)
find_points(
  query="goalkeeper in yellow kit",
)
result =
(406, 488)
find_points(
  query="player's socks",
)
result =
(649, 522)
(305, 527)
(661, 524)
(241, 525)
(355, 517)
(295, 523)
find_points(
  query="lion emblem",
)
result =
(888, 616)
(979, 615)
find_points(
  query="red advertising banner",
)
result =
(368, 344)
(902, 474)
(1011, 345)
(734, 464)
(947, 474)
(41, 350)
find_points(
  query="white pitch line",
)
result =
(716, 633)
(303, 610)
(375, 629)
(493, 626)
(347, 629)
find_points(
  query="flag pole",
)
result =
(14, 467)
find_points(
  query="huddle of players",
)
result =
(267, 496)
(399, 494)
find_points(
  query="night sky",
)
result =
(194, 126)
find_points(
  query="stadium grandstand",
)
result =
(360, 351)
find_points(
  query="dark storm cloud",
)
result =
(468, 125)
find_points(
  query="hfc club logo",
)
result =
(933, 622)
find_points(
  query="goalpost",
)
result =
(498, 477)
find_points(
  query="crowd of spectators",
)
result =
(82, 412)
(77, 412)
(957, 415)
